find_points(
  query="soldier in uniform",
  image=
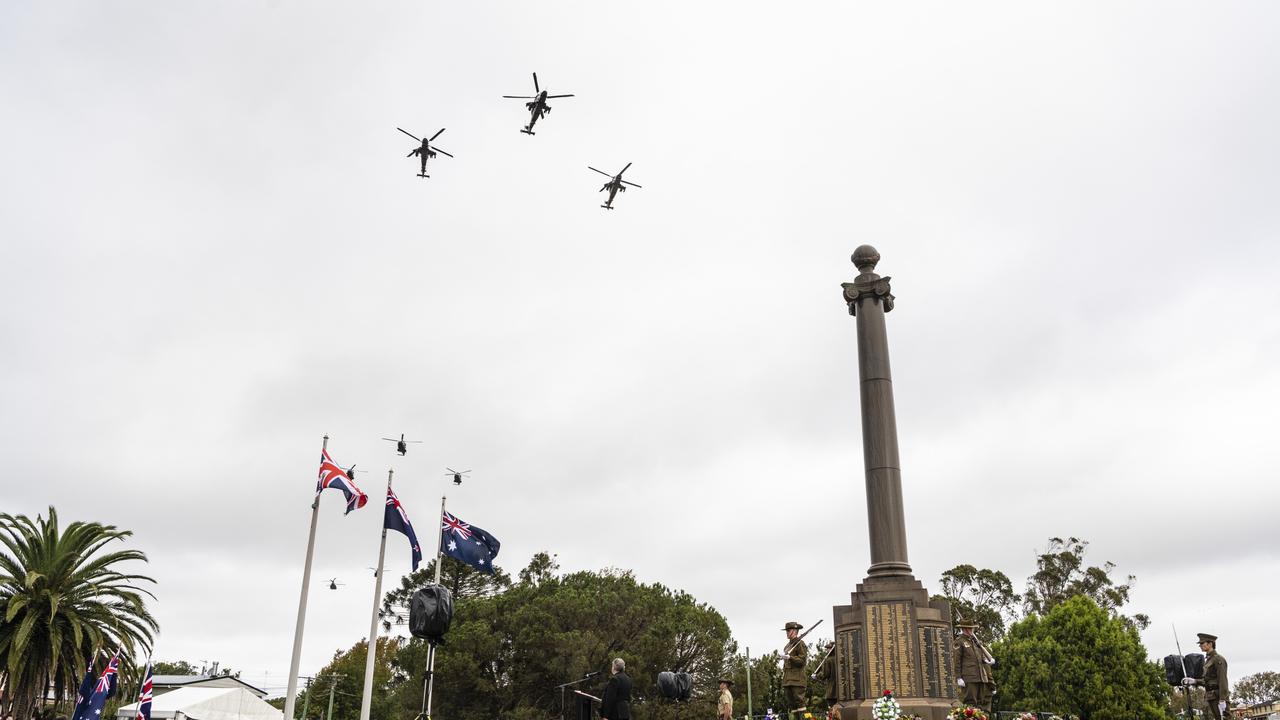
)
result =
(829, 677)
(1215, 676)
(724, 706)
(795, 655)
(973, 667)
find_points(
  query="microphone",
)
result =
(590, 675)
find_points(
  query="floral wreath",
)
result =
(886, 708)
(966, 712)
(1026, 716)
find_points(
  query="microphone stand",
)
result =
(570, 684)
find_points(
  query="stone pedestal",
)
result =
(890, 637)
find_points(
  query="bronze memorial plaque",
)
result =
(936, 653)
(849, 650)
(891, 648)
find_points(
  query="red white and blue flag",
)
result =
(395, 519)
(144, 697)
(105, 687)
(467, 543)
(333, 476)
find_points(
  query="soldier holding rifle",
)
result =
(794, 657)
(827, 671)
(973, 667)
(1215, 676)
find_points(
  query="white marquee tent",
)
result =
(205, 703)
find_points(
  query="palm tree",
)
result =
(62, 601)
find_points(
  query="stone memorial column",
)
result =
(890, 636)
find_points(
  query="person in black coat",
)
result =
(616, 704)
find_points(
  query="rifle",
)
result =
(814, 676)
(800, 637)
(1186, 690)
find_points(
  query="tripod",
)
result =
(428, 683)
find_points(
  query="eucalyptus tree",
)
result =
(64, 597)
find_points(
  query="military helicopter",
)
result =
(457, 476)
(402, 445)
(538, 108)
(426, 151)
(351, 472)
(615, 184)
(333, 583)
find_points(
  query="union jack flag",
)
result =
(144, 698)
(108, 676)
(333, 476)
(449, 522)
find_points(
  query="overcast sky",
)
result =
(215, 252)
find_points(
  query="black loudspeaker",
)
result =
(1173, 669)
(430, 613)
(1195, 665)
(684, 685)
(667, 685)
(675, 685)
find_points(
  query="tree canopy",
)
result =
(1061, 574)
(63, 598)
(1080, 659)
(344, 675)
(1256, 688)
(982, 596)
(987, 597)
(510, 647)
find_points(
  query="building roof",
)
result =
(219, 681)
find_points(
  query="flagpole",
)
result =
(431, 647)
(366, 700)
(440, 541)
(302, 604)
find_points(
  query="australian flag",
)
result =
(85, 692)
(468, 543)
(144, 697)
(395, 519)
(333, 476)
(104, 688)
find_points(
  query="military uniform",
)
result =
(793, 680)
(724, 705)
(1216, 686)
(830, 679)
(973, 666)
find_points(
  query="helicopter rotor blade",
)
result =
(442, 153)
(520, 97)
(623, 170)
(600, 171)
(433, 137)
(418, 441)
(406, 132)
(535, 83)
(556, 96)
(391, 439)
(624, 182)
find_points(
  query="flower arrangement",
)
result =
(1026, 716)
(886, 708)
(966, 712)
